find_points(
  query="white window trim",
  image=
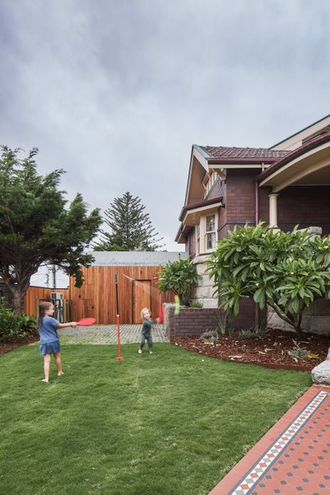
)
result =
(202, 234)
(198, 239)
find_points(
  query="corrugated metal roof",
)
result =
(136, 258)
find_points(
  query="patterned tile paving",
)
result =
(107, 334)
(297, 462)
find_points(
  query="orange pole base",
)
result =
(120, 357)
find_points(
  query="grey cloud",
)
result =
(116, 92)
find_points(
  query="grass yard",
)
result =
(171, 423)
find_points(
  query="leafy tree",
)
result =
(286, 271)
(130, 227)
(36, 227)
(179, 277)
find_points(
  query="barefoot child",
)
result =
(49, 339)
(146, 330)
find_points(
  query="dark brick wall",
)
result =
(193, 322)
(305, 206)
(240, 202)
(297, 205)
(264, 204)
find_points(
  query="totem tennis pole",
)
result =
(120, 358)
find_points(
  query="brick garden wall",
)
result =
(193, 321)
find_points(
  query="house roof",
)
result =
(313, 143)
(135, 258)
(302, 130)
(225, 154)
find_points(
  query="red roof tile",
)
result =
(225, 154)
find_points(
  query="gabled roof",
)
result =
(226, 154)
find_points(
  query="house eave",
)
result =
(302, 157)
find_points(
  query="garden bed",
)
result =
(9, 346)
(270, 350)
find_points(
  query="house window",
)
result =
(211, 179)
(210, 238)
(198, 239)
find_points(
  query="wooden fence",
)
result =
(137, 288)
(36, 294)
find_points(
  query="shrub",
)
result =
(9, 326)
(28, 325)
(180, 277)
(196, 305)
(13, 326)
(286, 271)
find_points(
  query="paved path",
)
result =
(107, 334)
(292, 458)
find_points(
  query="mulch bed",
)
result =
(270, 350)
(9, 346)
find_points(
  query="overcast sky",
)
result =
(116, 91)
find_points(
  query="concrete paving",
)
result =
(107, 334)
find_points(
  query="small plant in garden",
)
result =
(196, 305)
(210, 336)
(249, 334)
(298, 352)
(223, 326)
(180, 277)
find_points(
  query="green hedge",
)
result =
(13, 326)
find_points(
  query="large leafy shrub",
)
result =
(286, 271)
(179, 277)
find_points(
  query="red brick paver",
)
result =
(292, 458)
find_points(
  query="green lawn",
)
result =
(168, 423)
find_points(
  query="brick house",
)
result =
(284, 185)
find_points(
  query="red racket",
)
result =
(86, 322)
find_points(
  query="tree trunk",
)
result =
(18, 294)
(293, 319)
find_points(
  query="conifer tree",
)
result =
(36, 225)
(130, 227)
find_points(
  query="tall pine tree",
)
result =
(130, 227)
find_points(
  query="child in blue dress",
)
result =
(146, 330)
(49, 339)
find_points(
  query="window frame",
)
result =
(209, 232)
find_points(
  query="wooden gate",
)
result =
(141, 298)
(137, 288)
